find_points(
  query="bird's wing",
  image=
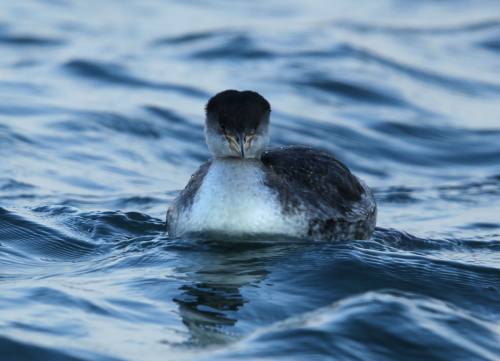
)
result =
(186, 196)
(315, 181)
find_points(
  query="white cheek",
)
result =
(218, 144)
(258, 145)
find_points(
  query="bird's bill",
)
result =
(241, 144)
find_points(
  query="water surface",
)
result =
(101, 125)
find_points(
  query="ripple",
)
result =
(187, 132)
(484, 225)
(434, 145)
(179, 127)
(10, 138)
(220, 44)
(29, 40)
(22, 232)
(138, 127)
(116, 74)
(358, 92)
(188, 38)
(167, 114)
(10, 87)
(12, 350)
(493, 45)
(60, 233)
(397, 194)
(7, 184)
(432, 30)
(63, 299)
(237, 48)
(471, 190)
(451, 83)
(123, 124)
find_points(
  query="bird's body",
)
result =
(248, 191)
(228, 201)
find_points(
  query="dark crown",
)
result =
(237, 111)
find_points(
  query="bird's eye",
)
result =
(222, 126)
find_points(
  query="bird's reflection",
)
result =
(212, 296)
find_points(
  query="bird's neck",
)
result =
(243, 166)
(236, 159)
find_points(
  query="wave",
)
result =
(392, 323)
(62, 233)
(462, 85)
(116, 74)
(468, 27)
(360, 92)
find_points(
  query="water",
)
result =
(101, 124)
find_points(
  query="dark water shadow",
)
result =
(212, 296)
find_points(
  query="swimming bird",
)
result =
(247, 189)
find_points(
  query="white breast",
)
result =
(234, 200)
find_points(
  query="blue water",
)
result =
(101, 125)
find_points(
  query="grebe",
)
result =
(248, 190)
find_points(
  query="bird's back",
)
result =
(314, 184)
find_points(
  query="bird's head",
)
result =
(237, 124)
